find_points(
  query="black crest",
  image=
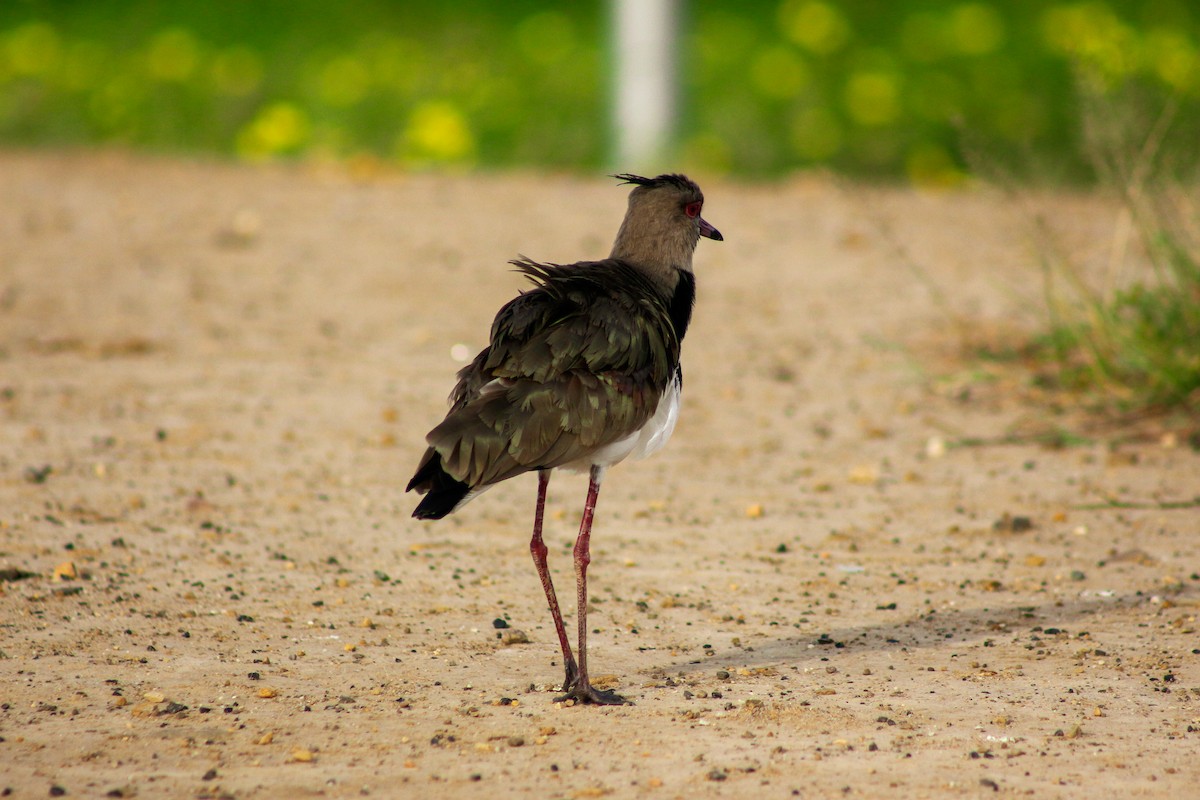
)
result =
(678, 181)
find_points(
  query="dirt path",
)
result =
(215, 381)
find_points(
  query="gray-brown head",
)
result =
(663, 223)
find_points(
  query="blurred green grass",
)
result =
(864, 87)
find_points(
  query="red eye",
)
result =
(692, 209)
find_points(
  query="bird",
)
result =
(581, 372)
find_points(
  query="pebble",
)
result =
(863, 474)
(514, 636)
(1013, 524)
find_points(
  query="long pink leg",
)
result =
(582, 691)
(539, 550)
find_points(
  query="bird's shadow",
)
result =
(1051, 621)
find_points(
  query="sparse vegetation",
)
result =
(1135, 340)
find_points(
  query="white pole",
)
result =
(646, 89)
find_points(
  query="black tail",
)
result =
(442, 492)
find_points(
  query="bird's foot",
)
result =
(583, 693)
(572, 675)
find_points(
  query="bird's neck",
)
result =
(659, 254)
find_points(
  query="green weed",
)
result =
(1135, 341)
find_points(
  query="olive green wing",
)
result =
(575, 364)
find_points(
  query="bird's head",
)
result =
(663, 222)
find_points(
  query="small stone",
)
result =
(1013, 524)
(243, 229)
(499, 624)
(516, 741)
(723, 674)
(303, 756)
(267, 692)
(514, 636)
(863, 474)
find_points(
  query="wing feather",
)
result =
(574, 364)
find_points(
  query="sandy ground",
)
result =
(215, 382)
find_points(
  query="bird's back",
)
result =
(575, 364)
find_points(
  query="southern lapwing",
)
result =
(582, 372)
